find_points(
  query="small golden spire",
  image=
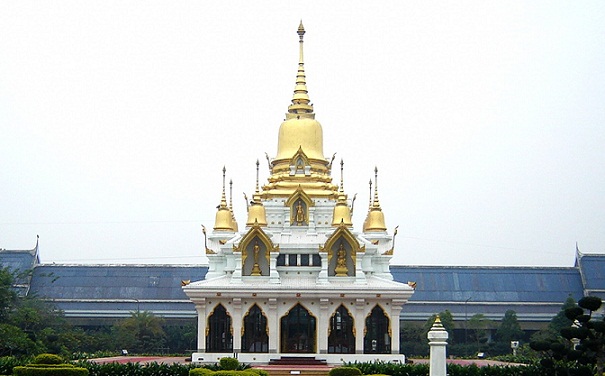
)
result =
(256, 210)
(224, 217)
(301, 104)
(342, 212)
(375, 221)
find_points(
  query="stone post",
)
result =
(437, 341)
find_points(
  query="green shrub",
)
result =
(200, 372)
(345, 371)
(228, 363)
(259, 372)
(7, 363)
(48, 359)
(230, 372)
(49, 371)
(34, 365)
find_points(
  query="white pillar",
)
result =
(438, 342)
(200, 307)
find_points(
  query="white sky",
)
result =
(485, 119)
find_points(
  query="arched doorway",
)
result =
(255, 338)
(220, 336)
(378, 338)
(341, 339)
(298, 331)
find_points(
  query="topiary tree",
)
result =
(345, 371)
(587, 333)
(228, 364)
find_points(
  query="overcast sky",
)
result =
(485, 119)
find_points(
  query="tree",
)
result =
(141, 332)
(588, 332)
(509, 329)
(561, 321)
(8, 297)
(447, 320)
(479, 326)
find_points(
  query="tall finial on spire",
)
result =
(301, 104)
(223, 195)
(342, 185)
(376, 202)
(370, 206)
(231, 194)
(257, 165)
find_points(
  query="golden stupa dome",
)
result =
(300, 132)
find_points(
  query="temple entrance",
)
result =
(255, 338)
(298, 331)
(377, 339)
(341, 339)
(219, 338)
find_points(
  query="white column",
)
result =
(438, 342)
(236, 321)
(360, 323)
(200, 307)
(273, 323)
(322, 327)
(395, 321)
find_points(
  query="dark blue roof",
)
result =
(149, 282)
(592, 268)
(18, 261)
(490, 284)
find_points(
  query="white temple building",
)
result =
(299, 280)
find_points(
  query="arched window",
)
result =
(298, 331)
(255, 337)
(219, 337)
(377, 339)
(341, 339)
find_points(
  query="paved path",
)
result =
(140, 359)
(183, 360)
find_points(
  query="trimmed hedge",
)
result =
(228, 363)
(48, 359)
(345, 371)
(49, 371)
(208, 372)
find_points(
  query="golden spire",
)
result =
(256, 211)
(223, 220)
(233, 220)
(301, 104)
(300, 160)
(342, 212)
(375, 221)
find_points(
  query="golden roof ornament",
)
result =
(223, 220)
(375, 221)
(256, 211)
(342, 212)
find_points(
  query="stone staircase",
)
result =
(296, 366)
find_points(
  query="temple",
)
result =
(299, 280)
